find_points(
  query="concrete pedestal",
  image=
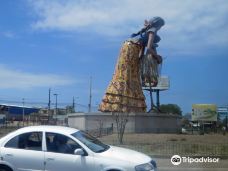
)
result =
(137, 122)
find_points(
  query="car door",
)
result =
(60, 156)
(24, 152)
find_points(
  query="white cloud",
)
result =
(199, 23)
(8, 34)
(11, 78)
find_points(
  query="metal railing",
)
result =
(101, 132)
(180, 148)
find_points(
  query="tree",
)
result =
(121, 121)
(100, 127)
(171, 108)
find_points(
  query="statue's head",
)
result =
(157, 22)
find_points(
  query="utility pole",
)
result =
(49, 100)
(56, 103)
(90, 94)
(73, 105)
(49, 104)
(23, 111)
(158, 99)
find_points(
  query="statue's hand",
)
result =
(133, 35)
(159, 59)
(150, 51)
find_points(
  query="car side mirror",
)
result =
(79, 152)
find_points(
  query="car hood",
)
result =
(126, 155)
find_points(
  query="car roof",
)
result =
(42, 128)
(48, 128)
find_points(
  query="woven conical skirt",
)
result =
(124, 93)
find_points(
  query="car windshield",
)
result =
(92, 143)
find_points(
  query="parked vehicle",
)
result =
(55, 148)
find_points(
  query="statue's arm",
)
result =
(150, 50)
(150, 43)
(141, 53)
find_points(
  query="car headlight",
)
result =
(145, 167)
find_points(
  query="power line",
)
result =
(44, 104)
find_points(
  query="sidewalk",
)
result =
(166, 165)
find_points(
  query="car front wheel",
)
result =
(5, 168)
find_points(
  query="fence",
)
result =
(163, 149)
(101, 132)
(167, 149)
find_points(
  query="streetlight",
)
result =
(56, 100)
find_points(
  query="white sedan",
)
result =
(55, 148)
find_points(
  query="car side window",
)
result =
(59, 143)
(28, 141)
(13, 143)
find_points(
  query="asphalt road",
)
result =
(166, 165)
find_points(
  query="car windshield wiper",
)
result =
(100, 151)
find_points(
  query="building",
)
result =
(15, 112)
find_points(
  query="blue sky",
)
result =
(60, 44)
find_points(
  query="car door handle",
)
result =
(50, 159)
(9, 155)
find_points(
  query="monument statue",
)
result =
(133, 69)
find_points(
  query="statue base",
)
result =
(137, 122)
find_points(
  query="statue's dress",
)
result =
(124, 93)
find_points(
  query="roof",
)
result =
(18, 110)
(21, 106)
